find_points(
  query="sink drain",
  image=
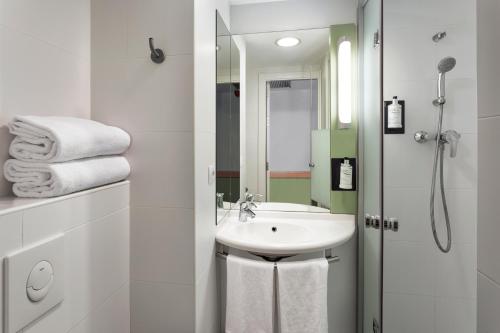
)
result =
(274, 229)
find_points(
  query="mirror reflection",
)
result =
(286, 120)
(227, 119)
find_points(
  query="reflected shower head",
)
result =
(444, 66)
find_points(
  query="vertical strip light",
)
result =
(344, 83)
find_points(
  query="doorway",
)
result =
(292, 120)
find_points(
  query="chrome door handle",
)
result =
(312, 165)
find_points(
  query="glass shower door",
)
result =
(371, 210)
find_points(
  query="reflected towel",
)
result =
(249, 307)
(43, 180)
(60, 139)
(302, 296)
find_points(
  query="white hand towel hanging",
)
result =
(302, 296)
(60, 139)
(249, 306)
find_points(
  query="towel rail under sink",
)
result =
(328, 255)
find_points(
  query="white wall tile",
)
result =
(113, 316)
(160, 307)
(488, 54)
(488, 304)
(410, 207)
(52, 83)
(461, 103)
(109, 31)
(488, 207)
(162, 169)
(11, 233)
(168, 22)
(409, 268)
(65, 24)
(143, 95)
(456, 272)
(407, 163)
(155, 104)
(405, 313)
(409, 54)
(455, 315)
(10, 240)
(44, 221)
(162, 245)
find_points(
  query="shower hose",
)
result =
(439, 156)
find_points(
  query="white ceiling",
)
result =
(263, 52)
(249, 2)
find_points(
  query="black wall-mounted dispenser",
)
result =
(394, 116)
(336, 168)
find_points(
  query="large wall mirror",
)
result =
(291, 102)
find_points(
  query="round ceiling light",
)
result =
(288, 42)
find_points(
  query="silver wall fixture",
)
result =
(437, 37)
(157, 55)
(376, 39)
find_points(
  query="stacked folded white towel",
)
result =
(54, 156)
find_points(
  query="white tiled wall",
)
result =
(154, 103)
(169, 109)
(425, 290)
(488, 274)
(44, 62)
(96, 228)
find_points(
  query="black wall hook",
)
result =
(157, 55)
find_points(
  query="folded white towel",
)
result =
(42, 180)
(249, 307)
(60, 139)
(302, 296)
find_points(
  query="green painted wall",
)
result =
(294, 190)
(344, 142)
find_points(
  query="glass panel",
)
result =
(372, 157)
(224, 163)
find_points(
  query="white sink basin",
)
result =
(285, 233)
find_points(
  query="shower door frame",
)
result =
(361, 212)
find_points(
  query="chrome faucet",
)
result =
(250, 198)
(220, 200)
(246, 211)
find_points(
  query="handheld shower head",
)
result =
(444, 66)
